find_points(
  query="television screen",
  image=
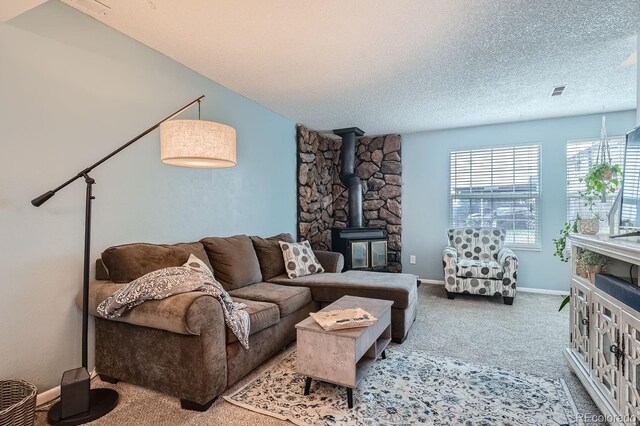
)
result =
(630, 208)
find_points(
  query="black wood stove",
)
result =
(362, 248)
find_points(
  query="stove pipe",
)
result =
(347, 173)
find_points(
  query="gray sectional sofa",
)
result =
(181, 346)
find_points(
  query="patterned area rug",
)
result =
(411, 387)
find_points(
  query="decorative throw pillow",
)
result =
(299, 259)
(198, 265)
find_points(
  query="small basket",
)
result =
(17, 403)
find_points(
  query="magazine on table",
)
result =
(341, 319)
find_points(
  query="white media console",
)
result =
(604, 350)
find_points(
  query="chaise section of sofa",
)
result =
(400, 288)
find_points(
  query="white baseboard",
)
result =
(522, 289)
(51, 394)
(543, 291)
(47, 396)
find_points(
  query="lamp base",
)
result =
(101, 401)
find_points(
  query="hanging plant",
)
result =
(602, 179)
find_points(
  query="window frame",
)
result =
(536, 247)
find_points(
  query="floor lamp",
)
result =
(185, 143)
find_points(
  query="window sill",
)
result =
(521, 248)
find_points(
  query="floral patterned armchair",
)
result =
(477, 262)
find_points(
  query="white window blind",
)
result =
(498, 187)
(581, 156)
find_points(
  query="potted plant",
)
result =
(588, 264)
(591, 262)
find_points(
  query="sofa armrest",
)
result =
(186, 313)
(330, 260)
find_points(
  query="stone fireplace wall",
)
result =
(323, 199)
(318, 170)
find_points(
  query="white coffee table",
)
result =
(343, 357)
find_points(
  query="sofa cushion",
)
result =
(468, 268)
(128, 262)
(328, 287)
(270, 254)
(261, 315)
(299, 259)
(234, 261)
(288, 298)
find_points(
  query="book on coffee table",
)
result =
(341, 319)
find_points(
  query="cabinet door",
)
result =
(605, 365)
(630, 383)
(580, 304)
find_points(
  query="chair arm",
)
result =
(450, 267)
(507, 255)
(450, 253)
(186, 313)
(330, 260)
(509, 262)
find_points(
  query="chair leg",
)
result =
(508, 300)
(450, 295)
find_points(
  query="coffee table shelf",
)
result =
(376, 351)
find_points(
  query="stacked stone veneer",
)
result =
(323, 199)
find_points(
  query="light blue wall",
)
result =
(425, 206)
(72, 90)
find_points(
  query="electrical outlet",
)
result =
(412, 259)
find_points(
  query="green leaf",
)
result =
(564, 303)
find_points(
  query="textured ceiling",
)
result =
(398, 66)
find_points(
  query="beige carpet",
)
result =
(528, 336)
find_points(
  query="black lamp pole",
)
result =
(75, 395)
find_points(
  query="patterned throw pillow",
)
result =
(198, 265)
(299, 259)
